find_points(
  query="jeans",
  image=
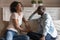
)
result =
(49, 37)
(11, 35)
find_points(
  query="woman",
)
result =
(15, 22)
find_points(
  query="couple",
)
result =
(46, 30)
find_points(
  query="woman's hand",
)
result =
(28, 28)
(25, 30)
(27, 25)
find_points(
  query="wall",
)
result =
(54, 12)
(55, 3)
(8, 2)
(25, 3)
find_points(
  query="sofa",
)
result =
(57, 25)
(34, 26)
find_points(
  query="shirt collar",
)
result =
(43, 15)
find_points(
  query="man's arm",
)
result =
(42, 38)
(32, 14)
(46, 26)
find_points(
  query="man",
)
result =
(46, 26)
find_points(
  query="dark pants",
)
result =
(34, 36)
(49, 37)
(37, 36)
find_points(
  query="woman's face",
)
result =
(19, 7)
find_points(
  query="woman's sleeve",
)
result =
(14, 16)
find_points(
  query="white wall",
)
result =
(53, 11)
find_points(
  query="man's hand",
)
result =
(42, 38)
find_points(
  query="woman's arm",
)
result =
(27, 25)
(15, 22)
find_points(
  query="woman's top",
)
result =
(15, 16)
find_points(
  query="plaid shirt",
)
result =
(46, 25)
